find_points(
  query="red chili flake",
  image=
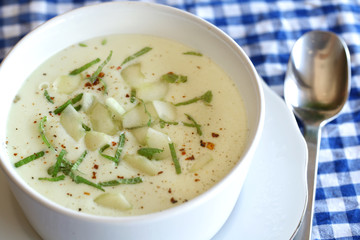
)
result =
(160, 172)
(173, 200)
(190, 158)
(15, 154)
(88, 84)
(69, 194)
(202, 143)
(210, 145)
(87, 193)
(63, 146)
(96, 166)
(183, 153)
(54, 135)
(35, 121)
(93, 175)
(197, 180)
(96, 82)
(118, 68)
(88, 75)
(127, 95)
(121, 177)
(113, 143)
(215, 135)
(169, 191)
(101, 75)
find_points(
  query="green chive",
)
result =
(85, 127)
(137, 54)
(133, 95)
(42, 133)
(105, 86)
(82, 45)
(206, 97)
(79, 179)
(173, 78)
(47, 96)
(104, 41)
(174, 158)
(29, 159)
(149, 152)
(100, 68)
(121, 181)
(147, 112)
(53, 179)
(163, 123)
(79, 161)
(193, 53)
(196, 125)
(59, 160)
(76, 99)
(84, 67)
(119, 149)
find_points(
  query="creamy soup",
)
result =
(149, 124)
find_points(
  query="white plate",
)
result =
(271, 202)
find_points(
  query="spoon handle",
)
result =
(312, 137)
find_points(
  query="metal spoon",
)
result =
(316, 88)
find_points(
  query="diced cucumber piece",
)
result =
(101, 120)
(133, 76)
(95, 140)
(87, 101)
(113, 200)
(142, 163)
(200, 162)
(152, 91)
(135, 117)
(165, 110)
(157, 139)
(115, 108)
(71, 121)
(67, 83)
(140, 134)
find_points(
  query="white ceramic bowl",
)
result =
(199, 218)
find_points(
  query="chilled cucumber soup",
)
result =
(126, 125)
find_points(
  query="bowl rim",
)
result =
(200, 199)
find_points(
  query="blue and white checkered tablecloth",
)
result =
(266, 30)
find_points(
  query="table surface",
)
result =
(266, 30)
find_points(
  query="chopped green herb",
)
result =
(119, 149)
(29, 159)
(133, 95)
(105, 86)
(137, 54)
(80, 179)
(82, 45)
(206, 97)
(76, 99)
(149, 152)
(174, 158)
(196, 125)
(163, 123)
(47, 96)
(76, 164)
(173, 78)
(53, 179)
(193, 53)
(100, 68)
(84, 67)
(42, 133)
(85, 127)
(78, 107)
(121, 181)
(104, 41)
(59, 160)
(147, 112)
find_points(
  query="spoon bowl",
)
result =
(316, 88)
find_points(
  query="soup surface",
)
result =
(126, 125)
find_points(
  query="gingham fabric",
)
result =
(266, 30)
